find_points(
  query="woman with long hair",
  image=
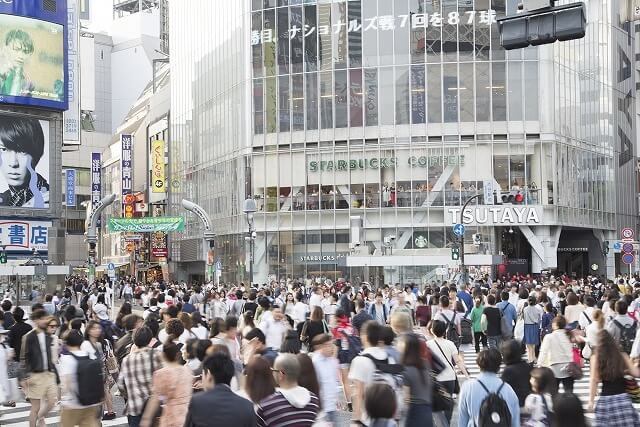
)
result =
(609, 366)
(308, 378)
(200, 327)
(258, 379)
(418, 379)
(172, 385)
(95, 343)
(315, 325)
(125, 310)
(246, 322)
(556, 352)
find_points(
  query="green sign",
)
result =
(384, 163)
(146, 225)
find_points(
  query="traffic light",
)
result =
(477, 239)
(455, 253)
(3, 257)
(605, 247)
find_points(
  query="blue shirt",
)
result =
(472, 394)
(467, 299)
(509, 311)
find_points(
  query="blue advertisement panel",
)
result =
(33, 53)
(70, 175)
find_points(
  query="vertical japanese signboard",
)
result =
(72, 115)
(127, 174)
(70, 194)
(158, 177)
(96, 180)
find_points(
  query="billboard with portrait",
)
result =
(24, 162)
(32, 62)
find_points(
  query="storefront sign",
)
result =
(573, 249)
(384, 163)
(70, 180)
(158, 177)
(321, 258)
(502, 215)
(18, 236)
(416, 21)
(146, 225)
(159, 247)
(127, 170)
(96, 180)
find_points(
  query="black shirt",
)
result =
(493, 321)
(360, 319)
(517, 376)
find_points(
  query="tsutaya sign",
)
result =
(496, 215)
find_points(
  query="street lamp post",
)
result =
(463, 267)
(249, 208)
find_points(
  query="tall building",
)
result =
(361, 127)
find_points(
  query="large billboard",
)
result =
(33, 53)
(23, 236)
(24, 162)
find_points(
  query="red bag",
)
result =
(577, 359)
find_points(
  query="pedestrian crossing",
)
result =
(19, 417)
(580, 387)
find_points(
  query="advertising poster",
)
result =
(24, 162)
(32, 63)
(70, 194)
(126, 171)
(159, 245)
(18, 236)
(96, 180)
(72, 115)
(158, 177)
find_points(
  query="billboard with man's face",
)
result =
(24, 162)
(32, 67)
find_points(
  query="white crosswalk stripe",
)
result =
(19, 417)
(580, 388)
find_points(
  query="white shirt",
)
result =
(450, 316)
(201, 332)
(274, 332)
(67, 367)
(43, 349)
(362, 369)
(447, 359)
(300, 311)
(315, 301)
(513, 298)
(328, 370)
(582, 321)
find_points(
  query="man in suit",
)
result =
(40, 380)
(218, 405)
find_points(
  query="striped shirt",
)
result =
(276, 411)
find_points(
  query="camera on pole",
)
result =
(540, 22)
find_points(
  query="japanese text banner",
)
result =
(146, 225)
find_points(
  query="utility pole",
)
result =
(463, 267)
(92, 236)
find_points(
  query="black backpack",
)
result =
(90, 380)
(452, 332)
(627, 335)
(494, 411)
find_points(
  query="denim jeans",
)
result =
(331, 417)
(494, 342)
(134, 420)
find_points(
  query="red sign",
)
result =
(159, 247)
(129, 199)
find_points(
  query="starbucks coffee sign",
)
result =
(384, 163)
(496, 215)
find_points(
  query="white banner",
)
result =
(72, 115)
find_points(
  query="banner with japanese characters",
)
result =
(146, 224)
(96, 180)
(380, 23)
(126, 171)
(22, 236)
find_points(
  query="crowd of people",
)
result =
(319, 353)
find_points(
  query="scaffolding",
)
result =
(127, 7)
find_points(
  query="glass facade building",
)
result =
(360, 127)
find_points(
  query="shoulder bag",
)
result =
(456, 386)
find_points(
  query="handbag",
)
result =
(303, 334)
(441, 399)
(456, 385)
(574, 371)
(632, 388)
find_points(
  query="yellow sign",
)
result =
(158, 177)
